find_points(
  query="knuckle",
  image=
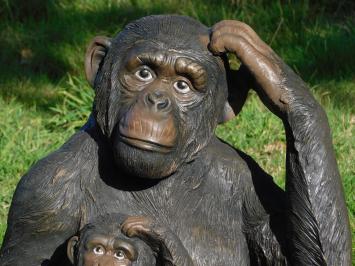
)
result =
(227, 22)
(218, 47)
(243, 25)
(231, 23)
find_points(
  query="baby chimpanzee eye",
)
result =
(120, 255)
(99, 250)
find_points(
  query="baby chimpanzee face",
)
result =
(101, 243)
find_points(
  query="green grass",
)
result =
(44, 97)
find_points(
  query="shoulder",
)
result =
(226, 156)
(57, 169)
(52, 187)
(249, 180)
(226, 169)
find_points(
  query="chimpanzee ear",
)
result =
(71, 248)
(238, 86)
(227, 113)
(95, 52)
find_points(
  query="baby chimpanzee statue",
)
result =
(118, 240)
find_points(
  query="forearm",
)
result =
(317, 211)
(318, 226)
(165, 244)
(173, 251)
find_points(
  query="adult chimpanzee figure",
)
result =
(101, 243)
(150, 150)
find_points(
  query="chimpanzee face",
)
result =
(159, 102)
(101, 243)
(106, 250)
(93, 247)
(162, 95)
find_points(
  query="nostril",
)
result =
(163, 104)
(151, 98)
(158, 100)
(154, 97)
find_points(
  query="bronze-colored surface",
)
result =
(210, 203)
(95, 52)
(195, 71)
(142, 129)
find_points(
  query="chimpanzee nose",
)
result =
(158, 99)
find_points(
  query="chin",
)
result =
(144, 163)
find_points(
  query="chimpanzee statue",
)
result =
(149, 149)
(103, 242)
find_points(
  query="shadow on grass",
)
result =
(43, 46)
(45, 40)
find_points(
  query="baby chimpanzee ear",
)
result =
(71, 248)
(95, 53)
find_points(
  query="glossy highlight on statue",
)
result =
(149, 149)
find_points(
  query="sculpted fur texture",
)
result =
(149, 150)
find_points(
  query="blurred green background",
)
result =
(44, 97)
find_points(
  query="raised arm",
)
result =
(317, 224)
(170, 251)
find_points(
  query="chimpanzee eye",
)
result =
(144, 74)
(181, 86)
(99, 250)
(120, 255)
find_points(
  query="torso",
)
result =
(202, 206)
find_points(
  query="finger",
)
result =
(219, 36)
(245, 31)
(258, 64)
(136, 219)
(136, 230)
(266, 73)
(135, 225)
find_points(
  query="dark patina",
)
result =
(149, 149)
(117, 240)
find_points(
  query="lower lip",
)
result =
(145, 145)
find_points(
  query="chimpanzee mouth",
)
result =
(145, 144)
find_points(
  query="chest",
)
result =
(205, 215)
